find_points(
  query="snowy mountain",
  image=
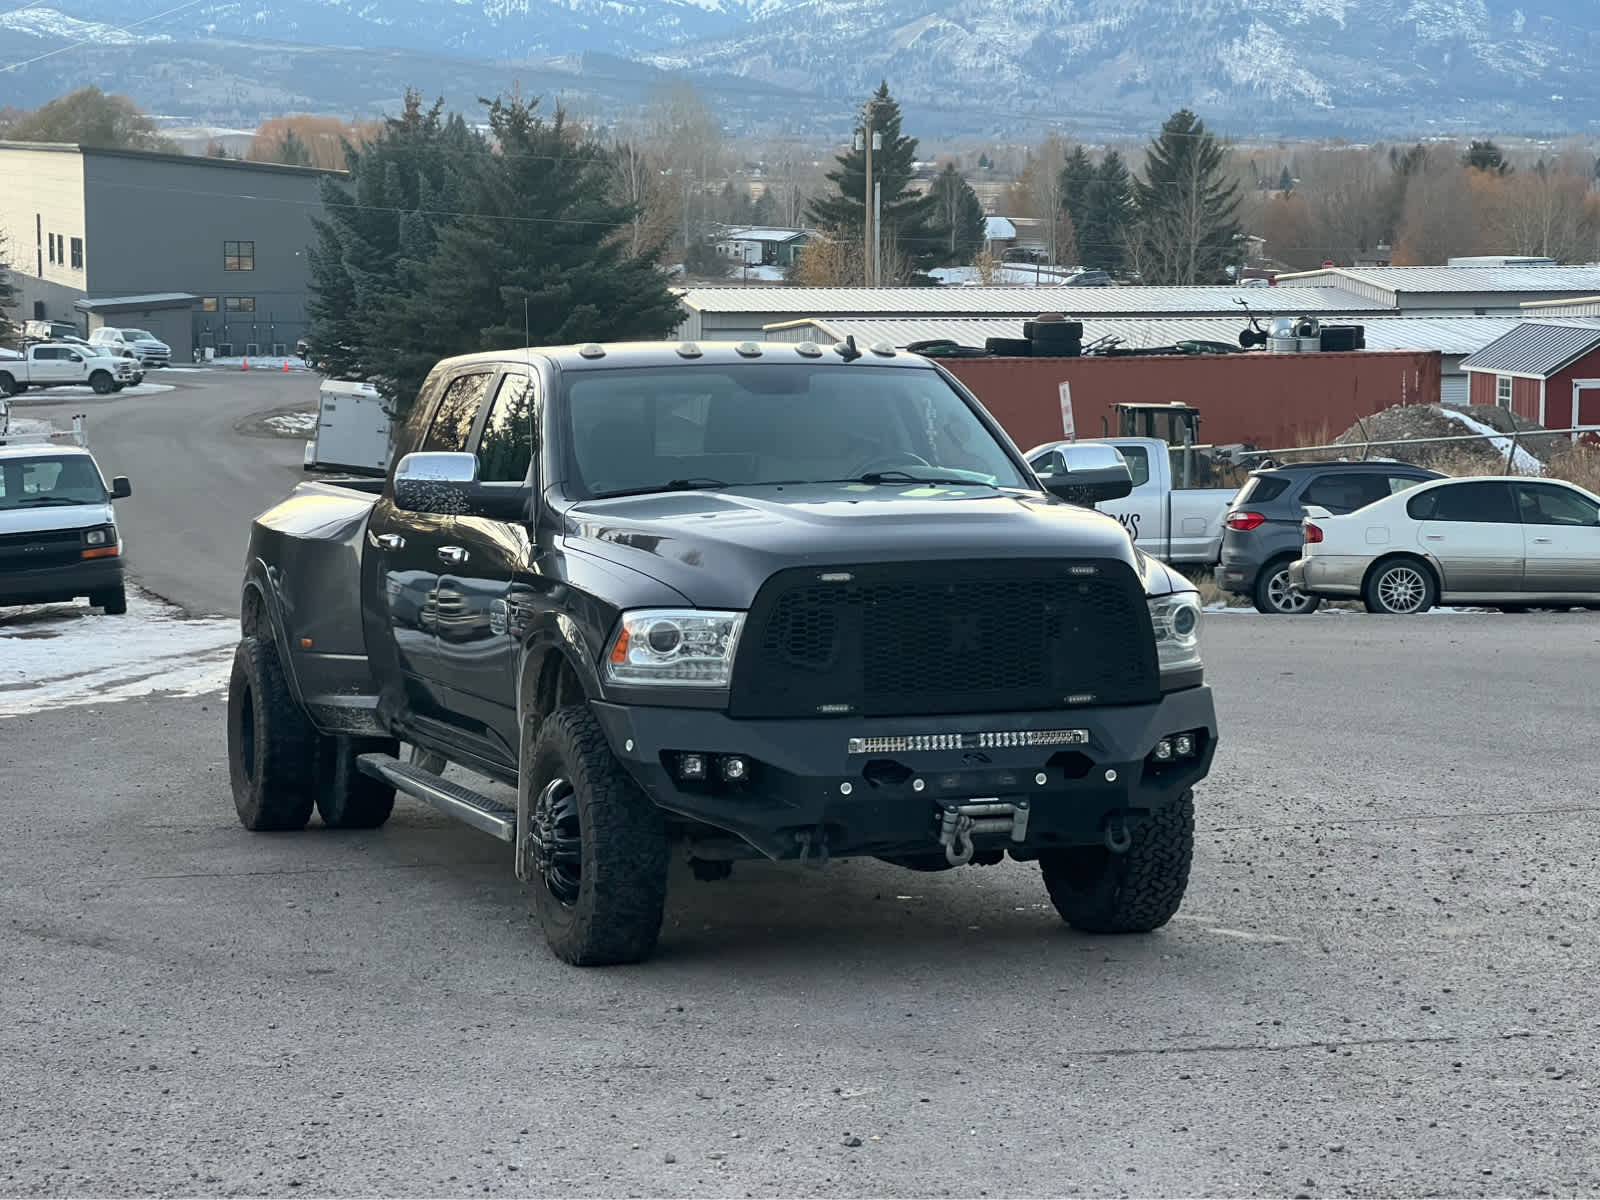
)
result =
(1271, 66)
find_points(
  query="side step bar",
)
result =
(452, 799)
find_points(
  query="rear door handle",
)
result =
(388, 541)
(1542, 541)
(1434, 537)
(452, 555)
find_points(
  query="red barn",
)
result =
(1544, 371)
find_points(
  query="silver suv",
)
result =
(138, 343)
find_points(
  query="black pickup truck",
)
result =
(762, 601)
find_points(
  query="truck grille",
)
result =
(899, 639)
(31, 551)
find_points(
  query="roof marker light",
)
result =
(592, 350)
(688, 350)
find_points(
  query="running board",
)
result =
(450, 798)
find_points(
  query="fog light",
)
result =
(1163, 751)
(1183, 744)
(692, 766)
(735, 769)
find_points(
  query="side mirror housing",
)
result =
(121, 489)
(1093, 472)
(447, 485)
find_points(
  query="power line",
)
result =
(28, 62)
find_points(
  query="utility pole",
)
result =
(871, 140)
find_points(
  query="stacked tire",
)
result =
(1053, 336)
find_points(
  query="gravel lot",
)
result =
(1381, 982)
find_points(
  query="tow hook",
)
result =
(1118, 839)
(958, 823)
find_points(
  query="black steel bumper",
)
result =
(806, 783)
(46, 585)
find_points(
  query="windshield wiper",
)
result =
(877, 477)
(672, 485)
(29, 501)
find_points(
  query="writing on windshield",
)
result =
(643, 429)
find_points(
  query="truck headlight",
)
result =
(693, 647)
(101, 535)
(1177, 622)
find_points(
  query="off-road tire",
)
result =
(102, 383)
(347, 798)
(114, 602)
(8, 384)
(622, 883)
(271, 743)
(1140, 890)
(1268, 583)
(1375, 593)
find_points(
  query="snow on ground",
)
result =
(1522, 463)
(62, 655)
(26, 427)
(293, 424)
(141, 389)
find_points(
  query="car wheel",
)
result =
(102, 383)
(115, 602)
(8, 384)
(1400, 587)
(1141, 889)
(1276, 595)
(346, 797)
(271, 743)
(598, 848)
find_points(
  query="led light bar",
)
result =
(969, 741)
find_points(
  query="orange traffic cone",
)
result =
(246, 365)
(286, 364)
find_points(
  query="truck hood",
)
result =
(54, 517)
(718, 547)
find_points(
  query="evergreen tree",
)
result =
(1486, 156)
(1108, 210)
(534, 258)
(1076, 176)
(8, 294)
(905, 214)
(765, 210)
(958, 218)
(1187, 229)
(379, 232)
(1285, 181)
(292, 152)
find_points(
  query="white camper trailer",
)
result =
(352, 432)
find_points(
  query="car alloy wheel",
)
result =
(1402, 589)
(558, 840)
(1284, 597)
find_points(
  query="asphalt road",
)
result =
(1380, 984)
(196, 483)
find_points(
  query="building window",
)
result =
(240, 304)
(1502, 390)
(77, 254)
(238, 256)
(53, 257)
(208, 304)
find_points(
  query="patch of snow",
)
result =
(26, 427)
(65, 655)
(293, 424)
(1522, 463)
(48, 23)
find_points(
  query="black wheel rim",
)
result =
(558, 841)
(247, 734)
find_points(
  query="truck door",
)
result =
(1143, 511)
(477, 640)
(52, 364)
(402, 564)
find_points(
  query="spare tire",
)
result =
(1009, 347)
(1052, 330)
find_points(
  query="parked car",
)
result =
(1262, 533)
(47, 365)
(58, 534)
(1165, 516)
(1508, 542)
(141, 343)
(766, 602)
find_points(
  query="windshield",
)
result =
(138, 335)
(739, 425)
(48, 480)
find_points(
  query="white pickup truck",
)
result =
(54, 364)
(1169, 515)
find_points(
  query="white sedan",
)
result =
(1506, 542)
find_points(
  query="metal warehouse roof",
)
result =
(1585, 280)
(1451, 336)
(1581, 306)
(800, 302)
(1538, 348)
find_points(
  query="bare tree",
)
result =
(690, 137)
(1048, 194)
(1439, 216)
(638, 180)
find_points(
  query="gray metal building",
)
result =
(114, 225)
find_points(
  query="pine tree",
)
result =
(535, 258)
(1187, 229)
(380, 231)
(1486, 156)
(292, 152)
(1108, 210)
(958, 218)
(1076, 176)
(1285, 181)
(8, 294)
(905, 214)
(765, 210)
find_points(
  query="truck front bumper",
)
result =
(49, 585)
(889, 786)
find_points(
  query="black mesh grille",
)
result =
(925, 638)
(30, 551)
